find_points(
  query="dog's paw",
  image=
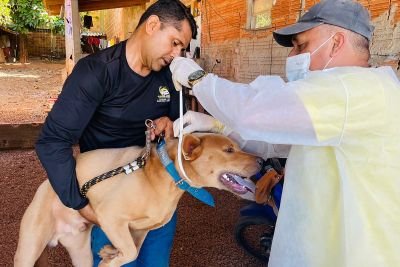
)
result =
(107, 253)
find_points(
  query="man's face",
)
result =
(166, 43)
(309, 41)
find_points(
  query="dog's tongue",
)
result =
(250, 186)
(249, 196)
(236, 184)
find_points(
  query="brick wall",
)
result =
(245, 53)
(385, 47)
(117, 22)
(45, 43)
(121, 22)
(110, 21)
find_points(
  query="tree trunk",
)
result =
(23, 48)
(2, 58)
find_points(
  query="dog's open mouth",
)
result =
(237, 184)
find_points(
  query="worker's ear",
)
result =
(339, 40)
(152, 24)
(191, 147)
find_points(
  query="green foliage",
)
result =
(5, 18)
(27, 15)
(56, 24)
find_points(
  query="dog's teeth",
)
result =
(225, 176)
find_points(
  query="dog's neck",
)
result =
(160, 173)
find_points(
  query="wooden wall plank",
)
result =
(15, 136)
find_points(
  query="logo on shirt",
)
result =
(164, 95)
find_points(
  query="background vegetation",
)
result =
(27, 15)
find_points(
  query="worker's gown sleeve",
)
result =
(259, 148)
(341, 200)
(268, 109)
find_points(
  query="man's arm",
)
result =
(200, 122)
(88, 213)
(270, 110)
(260, 148)
(81, 95)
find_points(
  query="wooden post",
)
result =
(2, 57)
(72, 34)
(23, 48)
(15, 136)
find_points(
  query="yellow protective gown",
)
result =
(341, 200)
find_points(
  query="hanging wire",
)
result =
(271, 54)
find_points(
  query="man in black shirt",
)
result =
(104, 104)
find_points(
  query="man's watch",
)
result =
(196, 77)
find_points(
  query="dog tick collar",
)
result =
(199, 193)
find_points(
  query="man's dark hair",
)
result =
(171, 12)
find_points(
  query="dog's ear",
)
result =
(191, 148)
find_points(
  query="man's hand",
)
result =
(88, 213)
(163, 124)
(198, 122)
(181, 68)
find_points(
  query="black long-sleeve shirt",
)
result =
(103, 104)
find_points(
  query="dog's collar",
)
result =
(199, 193)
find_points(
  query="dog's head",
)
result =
(212, 160)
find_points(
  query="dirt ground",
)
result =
(204, 235)
(25, 90)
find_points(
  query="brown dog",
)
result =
(128, 206)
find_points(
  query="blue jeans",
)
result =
(155, 250)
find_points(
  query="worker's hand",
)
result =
(181, 68)
(264, 186)
(198, 122)
(163, 124)
(88, 213)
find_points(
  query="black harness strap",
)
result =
(127, 169)
(138, 163)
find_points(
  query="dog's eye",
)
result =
(229, 150)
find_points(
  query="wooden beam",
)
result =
(105, 1)
(53, 6)
(99, 5)
(53, 10)
(13, 136)
(53, 2)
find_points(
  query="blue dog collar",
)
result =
(199, 193)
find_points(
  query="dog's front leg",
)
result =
(121, 239)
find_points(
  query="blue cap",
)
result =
(347, 14)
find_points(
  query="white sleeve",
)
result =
(259, 148)
(267, 109)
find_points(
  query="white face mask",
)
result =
(297, 67)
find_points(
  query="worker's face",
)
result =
(165, 43)
(310, 41)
